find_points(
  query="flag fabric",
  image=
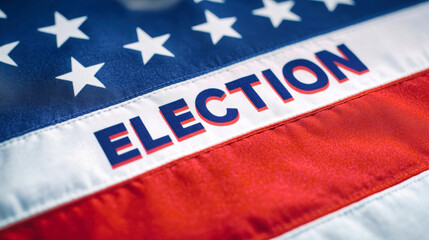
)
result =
(215, 119)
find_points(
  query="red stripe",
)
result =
(265, 182)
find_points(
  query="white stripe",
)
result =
(57, 164)
(400, 212)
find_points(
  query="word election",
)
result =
(176, 114)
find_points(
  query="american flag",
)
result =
(214, 119)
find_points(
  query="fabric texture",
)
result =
(214, 119)
(264, 183)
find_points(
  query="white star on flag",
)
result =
(332, 4)
(149, 46)
(277, 12)
(216, 1)
(65, 29)
(2, 14)
(81, 76)
(4, 53)
(217, 27)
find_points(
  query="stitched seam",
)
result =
(149, 173)
(362, 205)
(272, 53)
(276, 125)
(283, 228)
